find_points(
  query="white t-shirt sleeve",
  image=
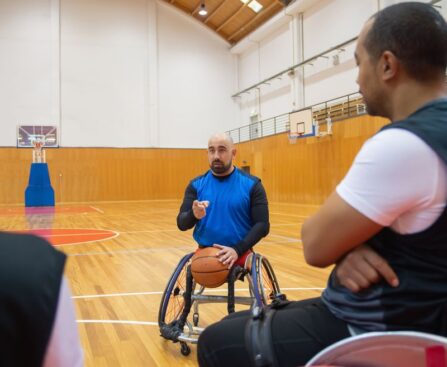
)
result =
(396, 180)
(64, 347)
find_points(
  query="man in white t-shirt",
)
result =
(385, 225)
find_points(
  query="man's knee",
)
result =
(206, 344)
(223, 343)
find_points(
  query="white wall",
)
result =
(121, 73)
(196, 78)
(25, 65)
(324, 25)
(264, 59)
(276, 53)
(137, 73)
(327, 24)
(104, 69)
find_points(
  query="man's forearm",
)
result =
(186, 220)
(257, 232)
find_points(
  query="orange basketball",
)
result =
(206, 268)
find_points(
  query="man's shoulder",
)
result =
(20, 251)
(248, 176)
(391, 143)
(13, 243)
(200, 177)
(14, 240)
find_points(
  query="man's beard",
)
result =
(218, 167)
(374, 106)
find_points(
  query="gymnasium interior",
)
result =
(124, 95)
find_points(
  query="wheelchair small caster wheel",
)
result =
(185, 349)
(195, 319)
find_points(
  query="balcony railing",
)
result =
(336, 109)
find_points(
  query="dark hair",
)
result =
(416, 33)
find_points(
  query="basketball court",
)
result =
(120, 257)
(107, 110)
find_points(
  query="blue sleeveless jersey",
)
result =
(227, 219)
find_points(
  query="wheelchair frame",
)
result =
(181, 295)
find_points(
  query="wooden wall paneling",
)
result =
(308, 171)
(104, 174)
(305, 172)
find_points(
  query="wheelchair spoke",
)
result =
(267, 286)
(176, 301)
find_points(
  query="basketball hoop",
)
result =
(293, 137)
(38, 152)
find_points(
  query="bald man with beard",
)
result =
(227, 207)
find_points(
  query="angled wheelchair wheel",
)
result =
(172, 302)
(265, 284)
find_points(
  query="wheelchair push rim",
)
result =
(265, 284)
(172, 302)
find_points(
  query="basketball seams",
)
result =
(206, 268)
(210, 272)
(204, 257)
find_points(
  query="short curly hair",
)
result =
(416, 33)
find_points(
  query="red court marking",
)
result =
(59, 237)
(435, 356)
(4, 211)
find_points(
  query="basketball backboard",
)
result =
(27, 134)
(301, 124)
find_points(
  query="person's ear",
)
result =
(233, 152)
(389, 65)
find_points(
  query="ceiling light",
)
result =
(255, 6)
(244, 1)
(203, 10)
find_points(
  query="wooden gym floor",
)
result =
(120, 257)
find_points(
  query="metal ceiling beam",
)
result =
(302, 63)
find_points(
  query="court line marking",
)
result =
(97, 209)
(116, 234)
(35, 231)
(144, 249)
(73, 234)
(224, 290)
(130, 322)
(289, 239)
(153, 231)
(295, 204)
(138, 213)
(150, 323)
(284, 224)
(291, 215)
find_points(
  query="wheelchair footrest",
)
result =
(171, 331)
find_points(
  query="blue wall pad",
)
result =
(39, 191)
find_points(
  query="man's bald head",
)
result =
(221, 137)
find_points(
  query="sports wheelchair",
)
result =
(183, 293)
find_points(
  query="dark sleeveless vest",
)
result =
(419, 259)
(30, 278)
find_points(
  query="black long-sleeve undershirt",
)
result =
(258, 210)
